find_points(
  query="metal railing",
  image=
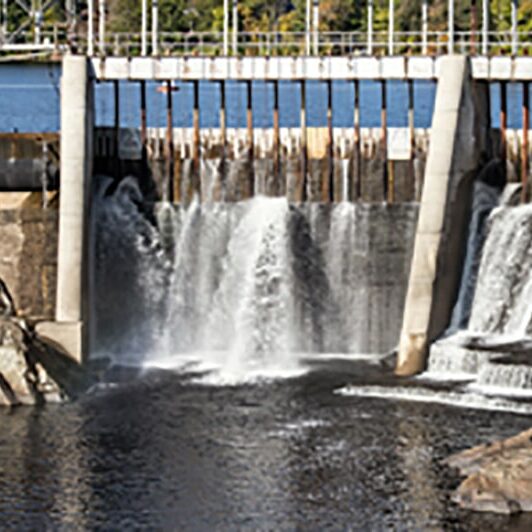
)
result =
(274, 43)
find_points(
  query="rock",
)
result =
(22, 379)
(500, 476)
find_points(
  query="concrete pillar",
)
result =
(69, 331)
(459, 139)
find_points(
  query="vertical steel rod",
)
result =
(412, 132)
(154, 27)
(328, 190)
(116, 124)
(226, 28)
(90, 28)
(276, 135)
(391, 22)
(450, 27)
(144, 29)
(388, 177)
(249, 123)
(514, 26)
(485, 26)
(301, 192)
(316, 26)
(524, 145)
(307, 26)
(235, 27)
(143, 122)
(358, 153)
(169, 184)
(197, 139)
(101, 26)
(424, 26)
(370, 27)
(503, 120)
(223, 131)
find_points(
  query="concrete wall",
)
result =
(28, 252)
(352, 174)
(459, 146)
(29, 161)
(69, 331)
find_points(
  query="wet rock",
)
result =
(500, 476)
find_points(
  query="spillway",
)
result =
(250, 286)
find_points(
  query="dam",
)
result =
(266, 290)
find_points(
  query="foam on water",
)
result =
(424, 395)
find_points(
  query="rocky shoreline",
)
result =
(31, 370)
(499, 476)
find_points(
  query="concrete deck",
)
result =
(296, 68)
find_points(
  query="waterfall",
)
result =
(248, 287)
(494, 349)
(503, 295)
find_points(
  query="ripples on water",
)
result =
(161, 452)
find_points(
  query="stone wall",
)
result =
(28, 252)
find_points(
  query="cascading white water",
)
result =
(502, 302)
(501, 311)
(245, 287)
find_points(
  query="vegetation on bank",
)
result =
(289, 15)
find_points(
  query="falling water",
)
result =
(247, 287)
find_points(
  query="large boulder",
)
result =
(23, 379)
(500, 476)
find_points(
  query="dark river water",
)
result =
(163, 452)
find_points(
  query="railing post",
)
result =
(90, 28)
(391, 16)
(144, 29)
(450, 27)
(370, 27)
(316, 23)
(424, 26)
(235, 27)
(514, 27)
(101, 26)
(226, 28)
(307, 27)
(155, 27)
(485, 26)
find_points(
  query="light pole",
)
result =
(235, 27)
(226, 27)
(450, 27)
(370, 27)
(391, 15)
(144, 29)
(485, 26)
(154, 27)
(316, 23)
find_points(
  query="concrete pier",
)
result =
(459, 142)
(68, 330)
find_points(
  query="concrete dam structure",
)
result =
(254, 246)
